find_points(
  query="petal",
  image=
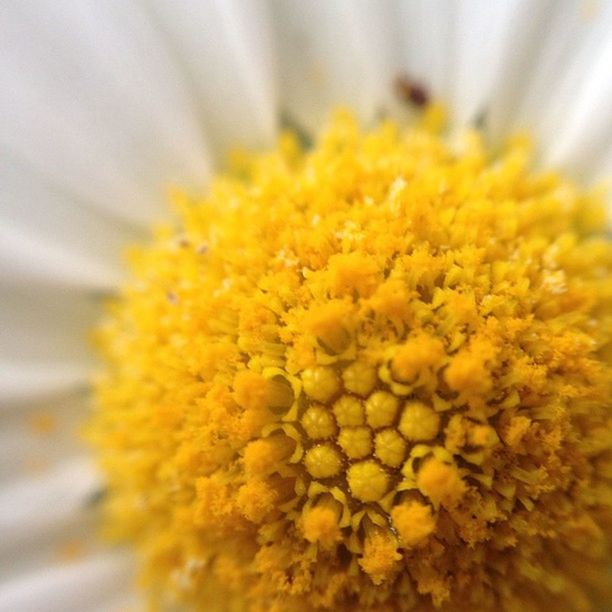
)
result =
(91, 584)
(427, 28)
(90, 99)
(40, 434)
(47, 324)
(32, 504)
(225, 50)
(49, 237)
(545, 68)
(23, 382)
(334, 53)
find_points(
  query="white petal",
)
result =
(49, 237)
(29, 381)
(42, 513)
(584, 111)
(482, 31)
(91, 100)
(32, 504)
(334, 53)
(225, 49)
(545, 67)
(427, 27)
(41, 433)
(91, 584)
(46, 324)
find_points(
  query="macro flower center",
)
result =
(371, 376)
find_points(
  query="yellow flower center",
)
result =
(372, 376)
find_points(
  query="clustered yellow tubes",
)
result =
(372, 376)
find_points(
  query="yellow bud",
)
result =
(381, 408)
(356, 442)
(320, 383)
(359, 378)
(323, 461)
(368, 481)
(419, 422)
(318, 423)
(348, 411)
(390, 447)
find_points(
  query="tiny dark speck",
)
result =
(95, 498)
(410, 91)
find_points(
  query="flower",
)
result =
(104, 103)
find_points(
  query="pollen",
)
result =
(374, 375)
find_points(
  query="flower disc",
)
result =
(372, 376)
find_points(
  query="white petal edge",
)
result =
(91, 584)
(31, 505)
(91, 99)
(49, 237)
(31, 381)
(225, 50)
(334, 53)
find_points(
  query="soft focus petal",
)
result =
(50, 237)
(91, 584)
(91, 99)
(225, 50)
(331, 53)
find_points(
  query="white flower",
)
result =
(104, 102)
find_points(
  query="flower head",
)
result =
(375, 375)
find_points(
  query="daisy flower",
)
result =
(364, 364)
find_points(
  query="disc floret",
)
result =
(372, 376)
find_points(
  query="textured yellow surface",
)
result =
(373, 376)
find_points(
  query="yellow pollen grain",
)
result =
(370, 375)
(368, 481)
(419, 421)
(42, 423)
(323, 461)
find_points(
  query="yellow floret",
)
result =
(323, 461)
(356, 442)
(348, 411)
(320, 383)
(321, 524)
(359, 378)
(414, 522)
(440, 482)
(263, 456)
(318, 422)
(380, 557)
(368, 482)
(374, 375)
(419, 421)
(381, 408)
